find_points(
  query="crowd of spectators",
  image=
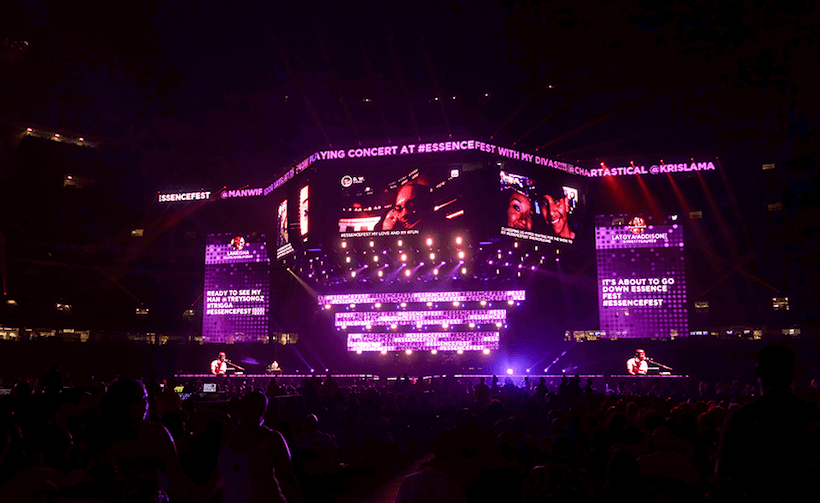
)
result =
(472, 440)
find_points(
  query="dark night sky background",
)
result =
(184, 94)
(235, 91)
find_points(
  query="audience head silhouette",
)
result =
(775, 366)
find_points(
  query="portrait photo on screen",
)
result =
(538, 208)
(282, 224)
(418, 201)
(303, 212)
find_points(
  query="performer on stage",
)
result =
(219, 367)
(637, 365)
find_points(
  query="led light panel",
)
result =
(428, 341)
(451, 317)
(372, 298)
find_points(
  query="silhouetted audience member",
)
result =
(130, 452)
(52, 381)
(255, 463)
(434, 483)
(482, 391)
(768, 450)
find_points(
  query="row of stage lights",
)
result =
(404, 257)
(410, 262)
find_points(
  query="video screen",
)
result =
(237, 289)
(538, 208)
(303, 212)
(423, 321)
(376, 203)
(641, 278)
(282, 237)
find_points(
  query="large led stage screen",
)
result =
(237, 289)
(539, 206)
(422, 321)
(401, 201)
(641, 278)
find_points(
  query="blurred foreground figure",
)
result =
(255, 464)
(769, 448)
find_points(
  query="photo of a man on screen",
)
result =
(556, 206)
(412, 205)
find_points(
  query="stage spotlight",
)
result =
(372, 244)
(434, 352)
(472, 325)
(378, 305)
(456, 303)
(463, 270)
(486, 351)
(418, 324)
(461, 254)
(368, 326)
(460, 351)
(399, 243)
(358, 351)
(458, 240)
(328, 306)
(498, 324)
(432, 256)
(509, 371)
(347, 259)
(394, 326)
(408, 352)
(404, 257)
(403, 304)
(445, 326)
(384, 351)
(375, 258)
(407, 273)
(483, 303)
(435, 272)
(352, 306)
(344, 244)
(381, 274)
(429, 241)
(429, 304)
(510, 302)
(515, 244)
(352, 274)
